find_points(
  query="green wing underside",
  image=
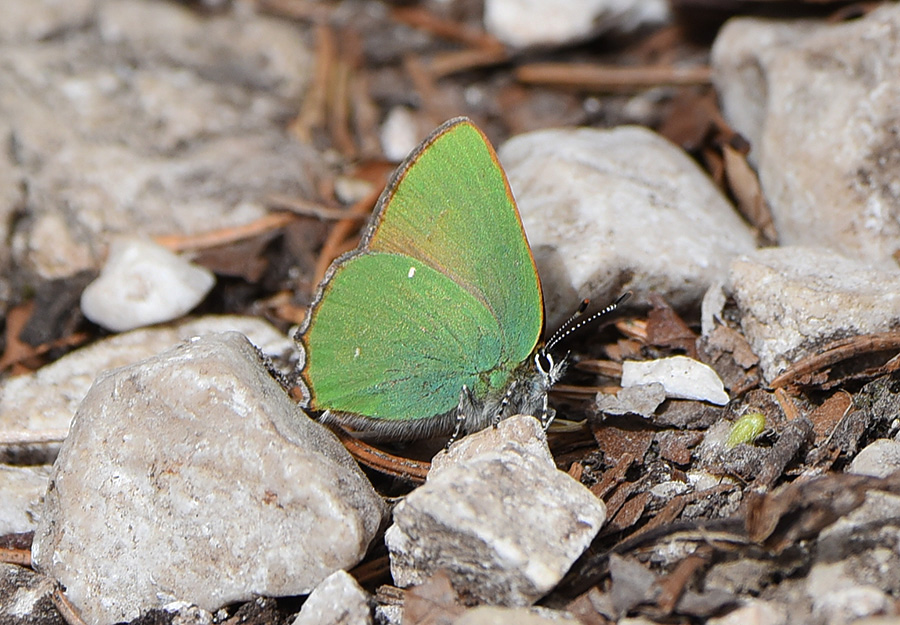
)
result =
(398, 335)
(454, 211)
(442, 292)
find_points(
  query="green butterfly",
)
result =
(431, 326)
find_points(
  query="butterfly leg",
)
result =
(466, 401)
(504, 404)
(547, 414)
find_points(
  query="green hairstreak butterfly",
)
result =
(431, 325)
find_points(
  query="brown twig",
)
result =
(836, 352)
(572, 390)
(610, 78)
(312, 111)
(745, 186)
(673, 586)
(68, 611)
(16, 548)
(380, 460)
(788, 407)
(448, 63)
(335, 242)
(445, 28)
(18, 353)
(339, 110)
(366, 115)
(225, 236)
(306, 208)
(22, 557)
(424, 84)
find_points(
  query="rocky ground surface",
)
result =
(177, 177)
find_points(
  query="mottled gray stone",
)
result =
(145, 118)
(610, 210)
(792, 300)
(879, 458)
(337, 600)
(210, 485)
(497, 515)
(22, 490)
(47, 399)
(818, 102)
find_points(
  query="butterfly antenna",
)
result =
(572, 324)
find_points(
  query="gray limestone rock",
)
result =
(792, 300)
(338, 600)
(879, 458)
(22, 490)
(497, 515)
(210, 485)
(610, 210)
(142, 118)
(818, 102)
(48, 398)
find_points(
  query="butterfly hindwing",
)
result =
(423, 337)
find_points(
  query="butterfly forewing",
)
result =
(452, 208)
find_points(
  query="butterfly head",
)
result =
(549, 369)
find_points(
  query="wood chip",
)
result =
(623, 441)
(629, 513)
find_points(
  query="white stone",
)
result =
(47, 399)
(793, 300)
(338, 600)
(22, 489)
(642, 400)
(879, 458)
(818, 102)
(143, 283)
(610, 210)
(210, 484)
(497, 615)
(399, 134)
(189, 139)
(521, 23)
(849, 604)
(498, 517)
(753, 612)
(682, 377)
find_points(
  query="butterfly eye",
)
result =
(543, 362)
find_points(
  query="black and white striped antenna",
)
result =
(573, 324)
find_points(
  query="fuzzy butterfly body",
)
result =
(433, 321)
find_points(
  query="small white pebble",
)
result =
(682, 377)
(143, 283)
